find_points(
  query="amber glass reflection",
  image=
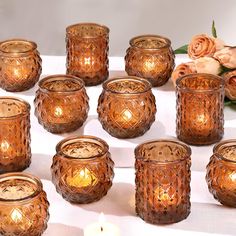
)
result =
(87, 52)
(200, 103)
(23, 205)
(162, 181)
(15, 152)
(150, 57)
(20, 65)
(82, 169)
(61, 103)
(126, 107)
(221, 173)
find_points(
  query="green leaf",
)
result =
(229, 102)
(213, 30)
(182, 50)
(225, 69)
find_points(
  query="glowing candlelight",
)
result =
(58, 111)
(102, 228)
(149, 65)
(82, 178)
(5, 146)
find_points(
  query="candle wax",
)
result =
(106, 229)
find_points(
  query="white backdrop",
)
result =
(44, 21)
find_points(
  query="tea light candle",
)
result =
(126, 107)
(82, 169)
(102, 228)
(200, 103)
(82, 178)
(61, 103)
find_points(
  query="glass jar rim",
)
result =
(134, 40)
(23, 113)
(147, 84)
(220, 145)
(22, 176)
(172, 141)
(105, 28)
(194, 75)
(31, 43)
(92, 139)
(61, 77)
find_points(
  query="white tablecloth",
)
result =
(207, 215)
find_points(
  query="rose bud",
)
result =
(227, 57)
(203, 45)
(207, 65)
(181, 70)
(230, 84)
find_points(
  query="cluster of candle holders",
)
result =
(82, 168)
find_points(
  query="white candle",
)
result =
(101, 228)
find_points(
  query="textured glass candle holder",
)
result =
(61, 103)
(20, 65)
(200, 103)
(82, 169)
(15, 152)
(126, 107)
(162, 181)
(221, 173)
(87, 52)
(150, 57)
(23, 205)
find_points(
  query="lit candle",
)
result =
(149, 65)
(58, 111)
(102, 228)
(5, 146)
(82, 178)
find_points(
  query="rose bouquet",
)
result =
(210, 55)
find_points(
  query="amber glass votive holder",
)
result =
(162, 181)
(126, 107)
(15, 152)
(82, 169)
(200, 103)
(61, 103)
(150, 57)
(221, 173)
(23, 205)
(20, 65)
(87, 52)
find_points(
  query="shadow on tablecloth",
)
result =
(56, 229)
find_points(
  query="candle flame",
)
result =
(149, 64)
(87, 60)
(233, 176)
(201, 118)
(16, 215)
(127, 115)
(4, 146)
(58, 112)
(102, 220)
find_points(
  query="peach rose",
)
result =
(181, 70)
(230, 84)
(207, 65)
(202, 45)
(227, 57)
